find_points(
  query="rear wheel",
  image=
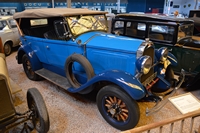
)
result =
(28, 69)
(7, 49)
(118, 108)
(39, 115)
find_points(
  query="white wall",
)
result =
(181, 9)
(187, 9)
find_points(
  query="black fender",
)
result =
(193, 83)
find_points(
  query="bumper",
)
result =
(160, 104)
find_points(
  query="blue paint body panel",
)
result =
(126, 81)
(110, 42)
(35, 62)
(112, 57)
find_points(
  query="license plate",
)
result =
(149, 79)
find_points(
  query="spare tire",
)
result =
(69, 69)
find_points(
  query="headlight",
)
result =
(144, 64)
(144, 46)
(162, 54)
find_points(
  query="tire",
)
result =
(69, 69)
(28, 69)
(7, 49)
(111, 95)
(39, 115)
(186, 82)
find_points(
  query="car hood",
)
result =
(110, 42)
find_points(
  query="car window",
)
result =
(135, 29)
(161, 32)
(185, 31)
(81, 24)
(118, 27)
(119, 24)
(141, 26)
(131, 28)
(60, 29)
(3, 25)
(36, 22)
(37, 27)
(12, 23)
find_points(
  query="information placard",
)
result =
(185, 103)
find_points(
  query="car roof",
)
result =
(54, 12)
(154, 17)
(5, 17)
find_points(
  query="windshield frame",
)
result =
(79, 21)
(182, 33)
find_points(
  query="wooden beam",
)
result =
(164, 122)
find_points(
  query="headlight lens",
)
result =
(162, 54)
(144, 64)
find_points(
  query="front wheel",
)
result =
(118, 108)
(7, 49)
(39, 115)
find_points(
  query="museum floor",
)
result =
(74, 113)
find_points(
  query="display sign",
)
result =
(37, 4)
(185, 103)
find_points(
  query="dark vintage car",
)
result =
(34, 119)
(171, 32)
(72, 49)
(9, 34)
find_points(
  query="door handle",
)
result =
(47, 47)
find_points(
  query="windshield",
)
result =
(185, 31)
(81, 24)
(3, 25)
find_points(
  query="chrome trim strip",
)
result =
(91, 38)
(172, 59)
(193, 48)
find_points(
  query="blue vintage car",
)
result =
(72, 49)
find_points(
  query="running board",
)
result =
(54, 78)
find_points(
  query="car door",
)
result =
(57, 50)
(6, 32)
(13, 32)
(190, 55)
